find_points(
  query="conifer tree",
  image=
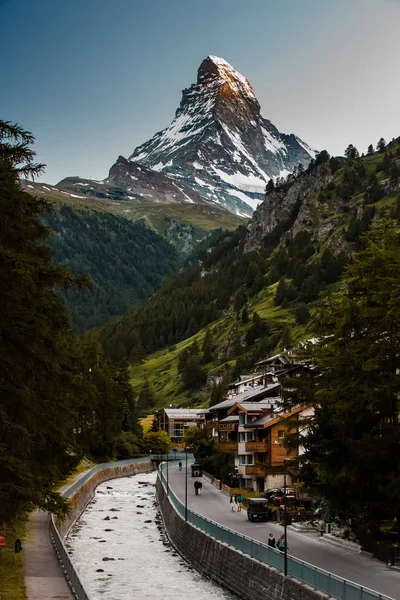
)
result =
(381, 145)
(352, 443)
(37, 395)
(207, 347)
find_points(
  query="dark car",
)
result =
(279, 497)
(257, 509)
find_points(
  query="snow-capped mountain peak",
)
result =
(219, 144)
(213, 65)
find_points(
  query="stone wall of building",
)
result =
(235, 571)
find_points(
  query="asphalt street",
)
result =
(358, 568)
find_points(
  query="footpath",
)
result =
(43, 576)
(358, 568)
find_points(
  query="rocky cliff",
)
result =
(219, 144)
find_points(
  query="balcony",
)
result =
(256, 447)
(256, 471)
(228, 446)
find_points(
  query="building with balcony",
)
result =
(176, 420)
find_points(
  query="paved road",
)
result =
(214, 504)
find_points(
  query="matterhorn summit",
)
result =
(219, 145)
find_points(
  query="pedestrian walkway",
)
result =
(215, 505)
(44, 579)
(43, 576)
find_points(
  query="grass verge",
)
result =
(12, 586)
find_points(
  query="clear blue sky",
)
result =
(93, 79)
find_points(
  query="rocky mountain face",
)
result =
(298, 202)
(128, 180)
(219, 145)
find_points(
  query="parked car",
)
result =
(257, 509)
(279, 497)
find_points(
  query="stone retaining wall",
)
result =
(81, 498)
(235, 571)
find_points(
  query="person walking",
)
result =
(197, 487)
(238, 501)
(281, 544)
(180, 466)
(271, 541)
(233, 502)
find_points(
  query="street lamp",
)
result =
(186, 451)
(285, 461)
(186, 481)
(166, 456)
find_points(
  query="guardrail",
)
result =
(66, 564)
(334, 586)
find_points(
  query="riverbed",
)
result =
(121, 552)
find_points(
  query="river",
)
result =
(121, 552)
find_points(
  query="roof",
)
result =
(230, 419)
(184, 413)
(268, 420)
(261, 420)
(281, 357)
(265, 404)
(249, 395)
(258, 390)
(244, 380)
(221, 405)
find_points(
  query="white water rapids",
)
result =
(121, 552)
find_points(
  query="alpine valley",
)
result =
(255, 291)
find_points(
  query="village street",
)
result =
(214, 504)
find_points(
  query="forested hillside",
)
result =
(125, 260)
(256, 293)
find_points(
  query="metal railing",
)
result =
(333, 585)
(62, 553)
(66, 564)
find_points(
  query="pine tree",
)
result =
(353, 439)
(147, 399)
(38, 399)
(270, 186)
(207, 347)
(370, 149)
(351, 152)
(381, 145)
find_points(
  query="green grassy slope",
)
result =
(348, 202)
(161, 368)
(202, 218)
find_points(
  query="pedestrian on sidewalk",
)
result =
(238, 501)
(281, 544)
(233, 502)
(271, 541)
(180, 466)
(197, 487)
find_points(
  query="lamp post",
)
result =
(186, 451)
(285, 461)
(167, 476)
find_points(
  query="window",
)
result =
(245, 459)
(178, 430)
(245, 436)
(281, 434)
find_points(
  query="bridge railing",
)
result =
(333, 585)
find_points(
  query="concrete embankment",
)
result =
(82, 496)
(237, 572)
